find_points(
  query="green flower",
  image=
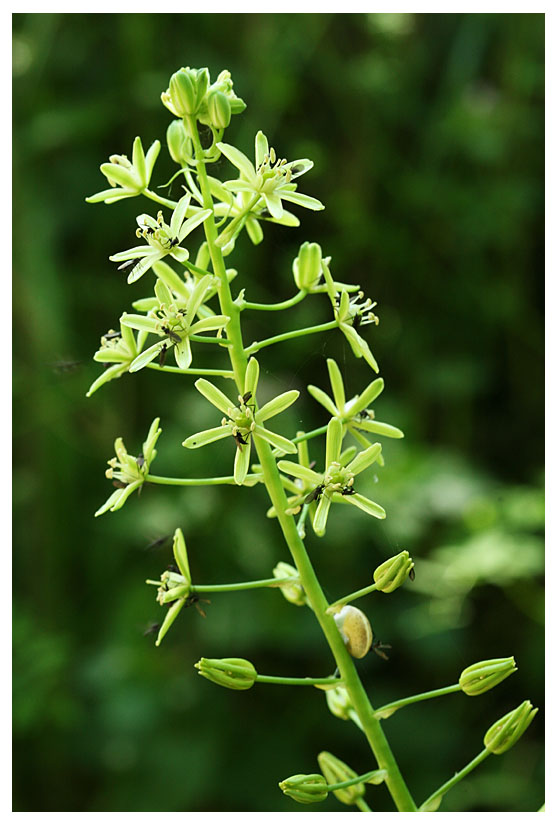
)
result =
(161, 239)
(506, 731)
(187, 88)
(116, 353)
(128, 472)
(483, 676)
(243, 420)
(127, 179)
(174, 323)
(336, 771)
(236, 674)
(393, 572)
(350, 315)
(354, 413)
(305, 788)
(174, 588)
(335, 484)
(270, 178)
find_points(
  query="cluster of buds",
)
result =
(190, 94)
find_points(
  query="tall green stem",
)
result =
(316, 598)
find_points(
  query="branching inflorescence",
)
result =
(192, 307)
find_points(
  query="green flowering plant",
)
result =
(193, 307)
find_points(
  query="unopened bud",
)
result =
(305, 788)
(506, 731)
(219, 109)
(176, 141)
(237, 674)
(292, 591)
(307, 266)
(483, 676)
(392, 573)
(336, 771)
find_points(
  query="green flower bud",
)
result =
(237, 674)
(307, 266)
(392, 573)
(187, 88)
(506, 731)
(483, 676)
(293, 591)
(339, 703)
(176, 141)
(219, 109)
(305, 788)
(336, 771)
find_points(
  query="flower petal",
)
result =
(302, 200)
(336, 383)
(366, 397)
(214, 395)
(242, 462)
(323, 399)
(278, 441)
(207, 437)
(320, 516)
(277, 405)
(364, 459)
(334, 439)
(238, 159)
(298, 471)
(362, 503)
(183, 353)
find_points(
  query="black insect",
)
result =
(158, 542)
(140, 460)
(195, 600)
(172, 568)
(152, 628)
(109, 336)
(163, 355)
(297, 169)
(412, 574)
(265, 213)
(378, 647)
(131, 265)
(172, 242)
(240, 441)
(364, 414)
(246, 397)
(348, 491)
(63, 366)
(174, 337)
(315, 495)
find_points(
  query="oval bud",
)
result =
(336, 771)
(176, 141)
(183, 92)
(355, 630)
(392, 573)
(292, 591)
(305, 788)
(307, 266)
(219, 109)
(506, 731)
(483, 676)
(236, 674)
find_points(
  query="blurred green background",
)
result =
(427, 135)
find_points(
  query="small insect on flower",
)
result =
(119, 484)
(315, 495)
(378, 647)
(348, 491)
(412, 574)
(163, 355)
(195, 600)
(112, 334)
(173, 242)
(240, 441)
(140, 460)
(174, 337)
(131, 265)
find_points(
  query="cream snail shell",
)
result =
(355, 630)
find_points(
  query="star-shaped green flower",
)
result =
(161, 239)
(128, 472)
(350, 315)
(270, 178)
(174, 588)
(354, 413)
(242, 420)
(117, 352)
(335, 484)
(174, 324)
(127, 179)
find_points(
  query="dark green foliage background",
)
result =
(427, 137)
